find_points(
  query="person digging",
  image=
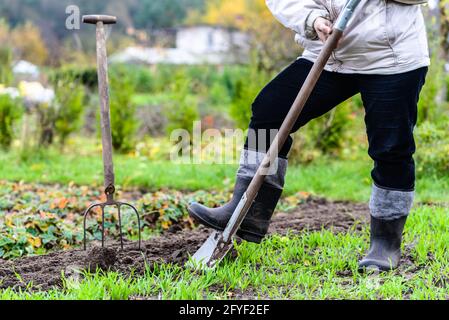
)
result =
(384, 57)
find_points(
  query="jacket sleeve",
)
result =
(299, 15)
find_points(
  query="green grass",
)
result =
(340, 180)
(316, 265)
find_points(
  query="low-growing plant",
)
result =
(37, 219)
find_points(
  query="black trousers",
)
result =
(390, 103)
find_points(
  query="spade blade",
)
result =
(212, 251)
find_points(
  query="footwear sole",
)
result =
(373, 267)
(245, 235)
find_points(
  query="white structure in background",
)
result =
(10, 91)
(194, 45)
(35, 93)
(25, 69)
(29, 89)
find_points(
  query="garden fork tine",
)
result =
(119, 206)
(106, 137)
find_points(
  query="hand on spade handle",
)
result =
(103, 85)
(219, 243)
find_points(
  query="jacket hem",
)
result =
(400, 68)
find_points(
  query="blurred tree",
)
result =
(163, 14)
(27, 40)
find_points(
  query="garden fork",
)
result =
(103, 85)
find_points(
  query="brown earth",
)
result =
(172, 247)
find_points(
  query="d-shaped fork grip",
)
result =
(94, 19)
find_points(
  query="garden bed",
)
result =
(173, 247)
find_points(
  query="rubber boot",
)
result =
(255, 225)
(385, 249)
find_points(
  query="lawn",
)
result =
(338, 180)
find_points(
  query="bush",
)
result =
(433, 147)
(144, 81)
(182, 111)
(246, 88)
(123, 111)
(328, 135)
(46, 117)
(82, 76)
(6, 75)
(428, 106)
(69, 103)
(60, 118)
(10, 112)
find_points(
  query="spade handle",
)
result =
(96, 18)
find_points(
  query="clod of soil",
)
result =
(172, 247)
(100, 258)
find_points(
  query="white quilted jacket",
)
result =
(384, 37)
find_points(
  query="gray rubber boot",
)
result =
(385, 249)
(389, 212)
(255, 225)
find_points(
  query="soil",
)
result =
(172, 247)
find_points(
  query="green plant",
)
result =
(433, 147)
(82, 76)
(182, 111)
(10, 112)
(143, 79)
(46, 117)
(246, 89)
(123, 110)
(429, 104)
(6, 75)
(69, 103)
(327, 135)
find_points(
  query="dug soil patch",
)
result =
(44, 272)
